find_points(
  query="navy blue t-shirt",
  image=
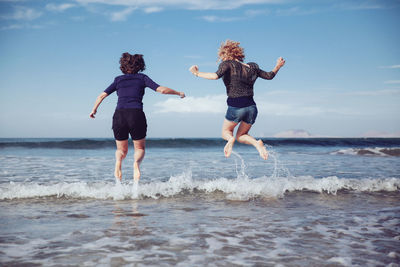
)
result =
(130, 89)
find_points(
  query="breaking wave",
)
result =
(183, 184)
(370, 151)
(73, 143)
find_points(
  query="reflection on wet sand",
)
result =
(124, 216)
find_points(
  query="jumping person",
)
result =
(129, 117)
(239, 79)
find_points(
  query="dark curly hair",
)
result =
(131, 64)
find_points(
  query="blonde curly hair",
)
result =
(230, 50)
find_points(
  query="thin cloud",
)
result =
(392, 82)
(23, 13)
(208, 104)
(219, 19)
(374, 93)
(361, 6)
(153, 9)
(299, 110)
(256, 12)
(60, 7)
(183, 4)
(122, 15)
(19, 26)
(216, 104)
(12, 27)
(295, 11)
(390, 67)
(278, 109)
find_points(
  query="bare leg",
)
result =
(243, 137)
(138, 157)
(227, 134)
(120, 154)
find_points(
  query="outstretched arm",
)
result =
(99, 99)
(269, 75)
(206, 75)
(169, 91)
(279, 64)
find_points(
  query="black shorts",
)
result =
(129, 121)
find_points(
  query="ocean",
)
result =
(314, 202)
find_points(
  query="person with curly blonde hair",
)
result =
(129, 118)
(239, 79)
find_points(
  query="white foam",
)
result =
(368, 151)
(346, 261)
(135, 189)
(393, 255)
(235, 189)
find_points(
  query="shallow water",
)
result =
(306, 206)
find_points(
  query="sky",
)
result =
(341, 77)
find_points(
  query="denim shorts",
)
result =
(246, 114)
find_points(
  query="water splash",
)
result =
(242, 173)
(135, 189)
(279, 169)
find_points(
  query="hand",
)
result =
(194, 69)
(92, 114)
(280, 62)
(182, 94)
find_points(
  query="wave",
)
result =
(195, 142)
(106, 143)
(233, 189)
(57, 143)
(375, 151)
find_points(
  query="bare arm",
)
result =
(206, 75)
(169, 91)
(279, 64)
(99, 99)
(269, 75)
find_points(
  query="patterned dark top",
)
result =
(239, 79)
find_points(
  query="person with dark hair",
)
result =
(239, 79)
(129, 118)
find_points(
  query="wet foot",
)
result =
(118, 172)
(228, 147)
(136, 172)
(262, 150)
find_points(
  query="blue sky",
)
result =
(341, 78)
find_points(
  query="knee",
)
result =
(139, 147)
(122, 152)
(139, 151)
(223, 133)
(240, 138)
(226, 134)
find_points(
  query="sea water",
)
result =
(314, 202)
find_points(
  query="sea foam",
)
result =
(235, 189)
(370, 151)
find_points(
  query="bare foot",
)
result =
(262, 150)
(228, 147)
(136, 172)
(118, 172)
